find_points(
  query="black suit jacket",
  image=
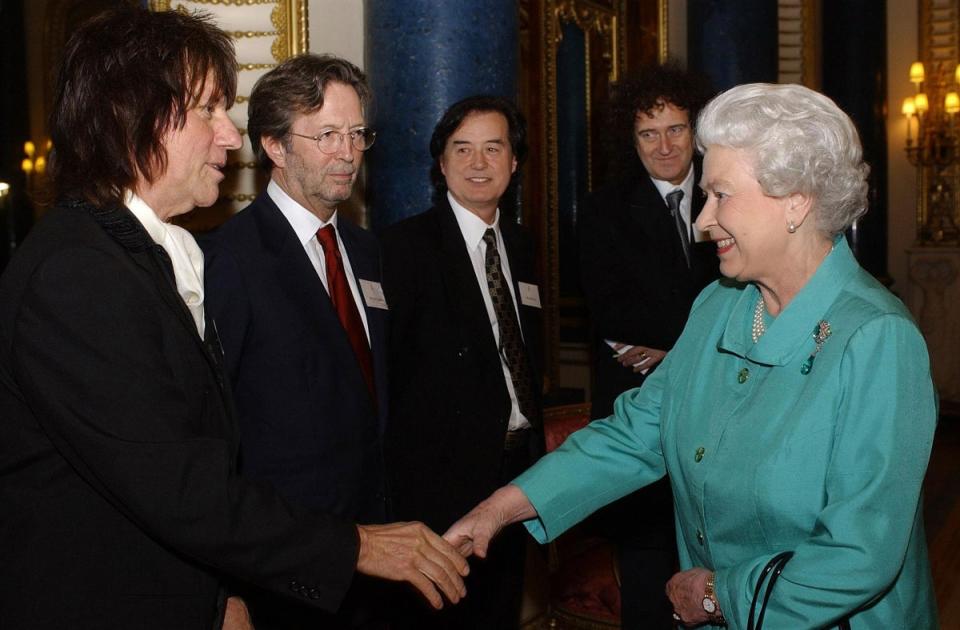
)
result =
(449, 405)
(635, 278)
(120, 506)
(307, 422)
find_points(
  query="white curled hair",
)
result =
(801, 142)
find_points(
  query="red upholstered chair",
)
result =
(584, 579)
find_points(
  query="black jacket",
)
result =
(120, 506)
(635, 278)
(449, 404)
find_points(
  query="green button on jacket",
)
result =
(827, 463)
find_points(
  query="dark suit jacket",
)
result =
(635, 277)
(120, 506)
(307, 422)
(449, 404)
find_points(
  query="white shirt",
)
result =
(185, 254)
(687, 185)
(306, 224)
(473, 228)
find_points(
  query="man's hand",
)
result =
(686, 590)
(410, 552)
(471, 535)
(637, 358)
(237, 617)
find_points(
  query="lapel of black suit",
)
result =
(521, 270)
(298, 278)
(365, 264)
(649, 222)
(699, 197)
(461, 282)
(130, 234)
(520, 259)
(292, 268)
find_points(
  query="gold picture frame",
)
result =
(619, 35)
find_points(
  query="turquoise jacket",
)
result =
(765, 458)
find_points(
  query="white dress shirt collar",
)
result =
(471, 226)
(665, 187)
(184, 253)
(303, 222)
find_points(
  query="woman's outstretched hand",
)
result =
(471, 535)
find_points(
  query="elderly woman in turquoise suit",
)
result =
(795, 413)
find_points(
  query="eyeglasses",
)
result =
(329, 142)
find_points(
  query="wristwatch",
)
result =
(709, 603)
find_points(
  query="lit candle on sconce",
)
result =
(951, 103)
(909, 109)
(34, 165)
(917, 74)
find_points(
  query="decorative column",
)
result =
(421, 56)
(934, 299)
(733, 42)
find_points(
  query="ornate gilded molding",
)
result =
(288, 19)
(249, 23)
(663, 12)
(598, 19)
(798, 42)
(939, 44)
(934, 299)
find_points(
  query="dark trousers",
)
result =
(642, 526)
(495, 584)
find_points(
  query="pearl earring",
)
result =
(791, 227)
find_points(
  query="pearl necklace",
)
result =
(759, 327)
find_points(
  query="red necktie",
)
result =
(343, 302)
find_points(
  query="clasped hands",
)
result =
(410, 552)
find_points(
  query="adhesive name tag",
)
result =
(373, 294)
(529, 294)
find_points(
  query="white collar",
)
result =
(665, 187)
(471, 226)
(185, 255)
(303, 222)
(154, 226)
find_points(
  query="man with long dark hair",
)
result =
(465, 349)
(120, 503)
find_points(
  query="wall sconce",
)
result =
(935, 151)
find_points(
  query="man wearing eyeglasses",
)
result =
(294, 289)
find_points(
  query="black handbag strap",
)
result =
(776, 564)
(773, 568)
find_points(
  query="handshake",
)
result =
(411, 552)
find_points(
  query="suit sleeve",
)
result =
(114, 386)
(859, 543)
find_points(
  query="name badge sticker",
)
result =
(529, 294)
(373, 294)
